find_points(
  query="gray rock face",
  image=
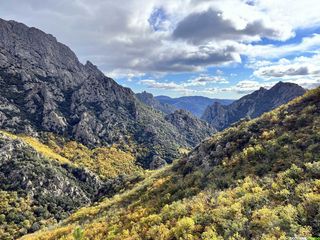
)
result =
(44, 87)
(252, 105)
(190, 126)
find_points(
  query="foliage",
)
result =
(107, 162)
(40, 185)
(78, 234)
(256, 180)
(18, 216)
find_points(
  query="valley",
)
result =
(176, 145)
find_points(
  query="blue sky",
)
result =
(221, 48)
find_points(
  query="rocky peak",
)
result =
(44, 87)
(251, 105)
(33, 53)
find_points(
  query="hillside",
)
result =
(43, 182)
(259, 179)
(251, 105)
(44, 88)
(193, 104)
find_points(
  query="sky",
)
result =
(216, 48)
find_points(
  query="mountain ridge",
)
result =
(240, 184)
(251, 105)
(193, 104)
(44, 88)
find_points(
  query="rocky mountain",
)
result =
(44, 88)
(195, 129)
(39, 186)
(252, 105)
(150, 100)
(193, 104)
(256, 180)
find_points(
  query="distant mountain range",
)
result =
(70, 136)
(257, 180)
(44, 88)
(193, 104)
(150, 100)
(251, 105)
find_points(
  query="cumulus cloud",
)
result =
(281, 71)
(202, 80)
(269, 51)
(145, 36)
(304, 71)
(161, 85)
(211, 24)
(248, 86)
(182, 58)
(137, 38)
(242, 87)
(289, 68)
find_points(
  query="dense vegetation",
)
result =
(41, 183)
(259, 179)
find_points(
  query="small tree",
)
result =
(78, 234)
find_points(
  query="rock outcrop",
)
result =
(190, 126)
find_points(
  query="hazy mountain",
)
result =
(252, 105)
(193, 104)
(150, 100)
(240, 184)
(44, 87)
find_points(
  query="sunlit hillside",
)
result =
(255, 180)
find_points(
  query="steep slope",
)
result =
(193, 104)
(38, 186)
(252, 105)
(190, 126)
(44, 88)
(257, 180)
(148, 99)
(193, 129)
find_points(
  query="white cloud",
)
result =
(304, 71)
(203, 80)
(219, 72)
(242, 87)
(296, 13)
(162, 85)
(308, 44)
(121, 36)
(248, 86)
